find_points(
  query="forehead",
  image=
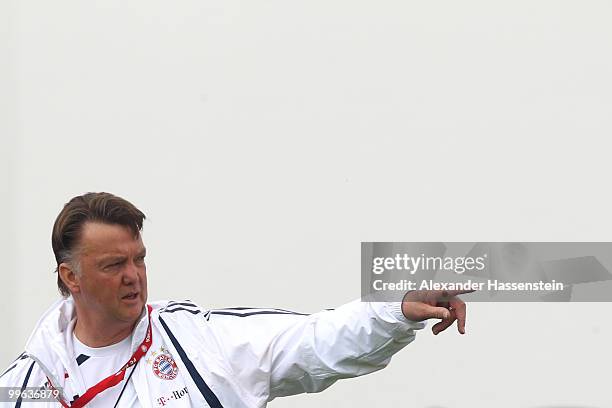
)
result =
(99, 238)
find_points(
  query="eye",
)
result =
(113, 265)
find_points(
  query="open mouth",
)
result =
(130, 296)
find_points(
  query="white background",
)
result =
(265, 140)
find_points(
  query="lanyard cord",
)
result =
(125, 385)
(116, 378)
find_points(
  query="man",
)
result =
(103, 345)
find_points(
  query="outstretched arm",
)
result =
(282, 354)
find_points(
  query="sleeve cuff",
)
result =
(395, 310)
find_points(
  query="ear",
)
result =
(69, 277)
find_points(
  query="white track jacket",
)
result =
(230, 358)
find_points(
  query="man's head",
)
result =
(100, 256)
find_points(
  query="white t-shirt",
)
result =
(166, 386)
(96, 364)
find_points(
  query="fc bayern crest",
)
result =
(165, 367)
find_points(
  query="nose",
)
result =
(130, 273)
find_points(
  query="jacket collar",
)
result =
(50, 343)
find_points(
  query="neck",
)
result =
(95, 337)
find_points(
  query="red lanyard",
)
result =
(116, 378)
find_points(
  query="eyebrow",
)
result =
(109, 258)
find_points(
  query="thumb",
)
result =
(418, 311)
(433, 312)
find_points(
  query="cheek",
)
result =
(104, 286)
(100, 292)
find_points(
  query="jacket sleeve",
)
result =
(278, 353)
(20, 373)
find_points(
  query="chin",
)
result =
(132, 312)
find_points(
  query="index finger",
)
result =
(448, 294)
(459, 292)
